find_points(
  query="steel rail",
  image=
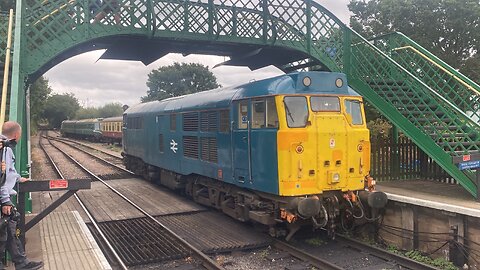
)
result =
(93, 155)
(305, 256)
(90, 216)
(386, 255)
(84, 145)
(207, 262)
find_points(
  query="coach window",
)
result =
(272, 116)
(325, 104)
(354, 110)
(243, 114)
(258, 113)
(296, 109)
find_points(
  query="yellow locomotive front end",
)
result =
(323, 144)
(324, 159)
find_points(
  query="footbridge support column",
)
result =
(18, 99)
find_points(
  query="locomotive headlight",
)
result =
(307, 81)
(336, 178)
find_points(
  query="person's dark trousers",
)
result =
(10, 241)
(14, 245)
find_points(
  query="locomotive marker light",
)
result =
(307, 81)
(339, 83)
(299, 149)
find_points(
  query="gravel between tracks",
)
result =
(89, 162)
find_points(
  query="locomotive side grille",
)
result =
(224, 121)
(190, 146)
(209, 121)
(190, 121)
(209, 149)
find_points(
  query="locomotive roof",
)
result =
(82, 121)
(292, 83)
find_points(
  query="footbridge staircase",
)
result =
(429, 101)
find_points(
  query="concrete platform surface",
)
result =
(68, 244)
(432, 194)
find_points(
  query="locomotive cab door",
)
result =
(241, 140)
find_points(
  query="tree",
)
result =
(110, 110)
(179, 79)
(87, 113)
(60, 107)
(448, 28)
(39, 92)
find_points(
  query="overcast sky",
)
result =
(96, 83)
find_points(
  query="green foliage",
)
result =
(39, 92)
(110, 110)
(379, 128)
(179, 79)
(315, 241)
(448, 28)
(60, 107)
(393, 249)
(439, 262)
(87, 113)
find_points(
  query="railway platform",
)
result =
(432, 194)
(436, 218)
(62, 241)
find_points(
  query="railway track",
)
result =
(82, 146)
(174, 247)
(387, 260)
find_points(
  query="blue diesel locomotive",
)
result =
(285, 152)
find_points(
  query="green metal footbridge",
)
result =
(432, 103)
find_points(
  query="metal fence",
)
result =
(404, 161)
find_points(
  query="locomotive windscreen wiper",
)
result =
(288, 112)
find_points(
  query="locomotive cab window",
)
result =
(296, 110)
(325, 104)
(243, 114)
(354, 111)
(258, 113)
(272, 116)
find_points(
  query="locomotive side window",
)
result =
(272, 116)
(258, 113)
(243, 114)
(353, 108)
(296, 109)
(325, 104)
